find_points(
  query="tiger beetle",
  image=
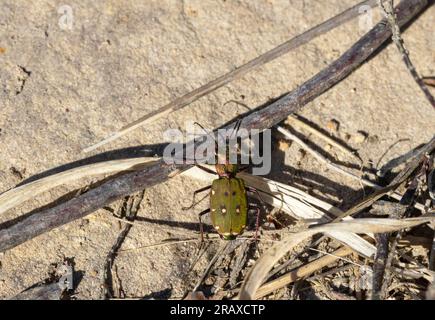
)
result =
(228, 198)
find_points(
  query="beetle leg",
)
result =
(257, 223)
(257, 219)
(243, 168)
(201, 229)
(205, 169)
(194, 195)
(253, 190)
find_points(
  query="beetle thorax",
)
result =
(226, 170)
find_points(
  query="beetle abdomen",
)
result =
(228, 206)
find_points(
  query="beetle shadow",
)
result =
(192, 226)
(307, 181)
(324, 188)
(312, 145)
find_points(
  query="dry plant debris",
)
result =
(310, 247)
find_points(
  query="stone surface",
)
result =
(65, 89)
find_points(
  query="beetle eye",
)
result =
(226, 193)
(234, 193)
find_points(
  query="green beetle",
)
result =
(228, 200)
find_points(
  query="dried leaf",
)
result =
(257, 274)
(18, 195)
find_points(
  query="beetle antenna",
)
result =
(206, 132)
(211, 135)
(235, 130)
(236, 127)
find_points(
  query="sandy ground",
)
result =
(65, 89)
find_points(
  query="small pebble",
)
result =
(93, 273)
(373, 139)
(302, 153)
(333, 125)
(283, 145)
(192, 12)
(269, 226)
(359, 137)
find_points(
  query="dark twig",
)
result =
(393, 210)
(393, 163)
(382, 243)
(387, 7)
(432, 252)
(400, 214)
(211, 264)
(129, 212)
(431, 201)
(160, 171)
(239, 262)
(419, 157)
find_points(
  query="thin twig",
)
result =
(397, 181)
(335, 256)
(379, 265)
(389, 13)
(337, 168)
(268, 259)
(239, 72)
(207, 270)
(432, 251)
(114, 189)
(16, 196)
(399, 213)
(392, 210)
(301, 272)
(323, 159)
(332, 271)
(239, 262)
(393, 163)
(294, 120)
(130, 208)
(248, 236)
